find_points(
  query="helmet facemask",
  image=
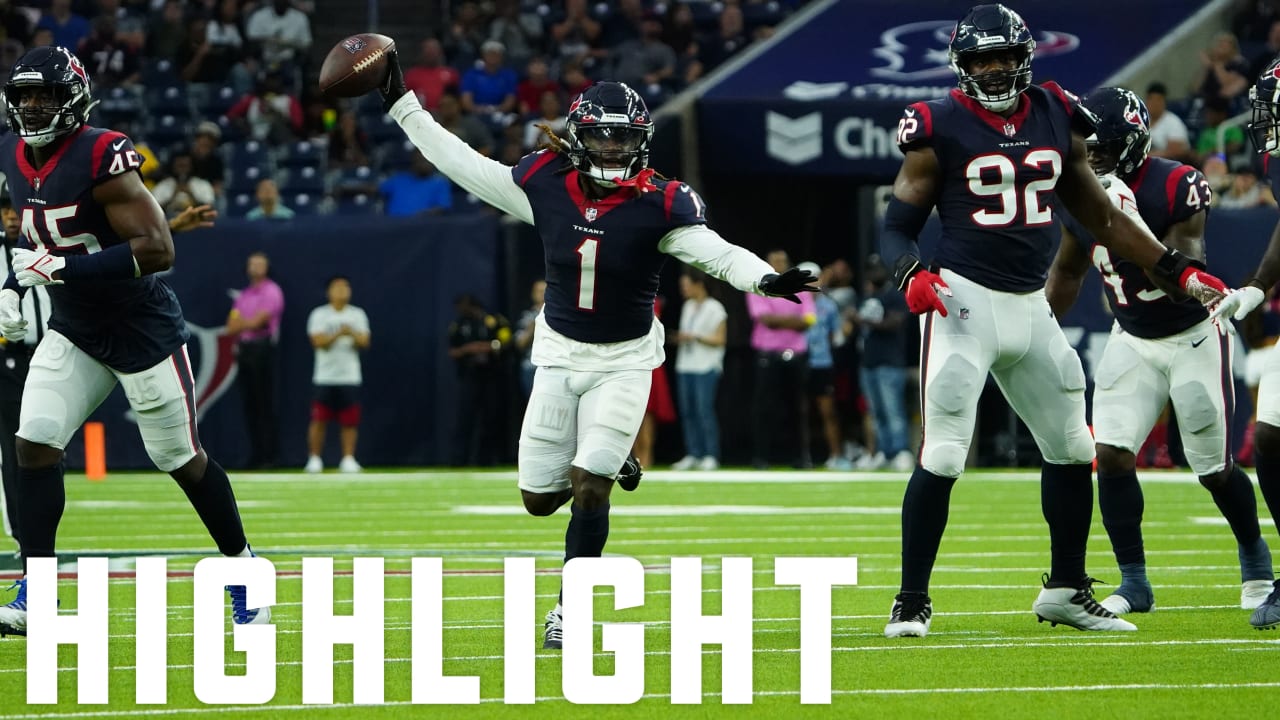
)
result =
(1264, 127)
(609, 153)
(41, 113)
(996, 90)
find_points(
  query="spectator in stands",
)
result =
(1215, 114)
(14, 24)
(41, 37)
(269, 114)
(550, 115)
(681, 35)
(525, 329)
(623, 24)
(206, 163)
(1169, 137)
(1253, 21)
(520, 32)
(726, 41)
(476, 339)
(269, 205)
(281, 32)
(489, 91)
(182, 189)
(782, 363)
(10, 52)
(1245, 191)
(68, 28)
(111, 63)
(255, 323)
(167, 34)
(466, 34)
(348, 144)
(429, 78)
(473, 132)
(573, 78)
(822, 337)
(224, 31)
(645, 63)
(576, 37)
(1223, 73)
(537, 81)
(1215, 171)
(203, 61)
(417, 191)
(1262, 57)
(338, 331)
(882, 319)
(702, 337)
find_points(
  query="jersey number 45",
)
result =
(41, 227)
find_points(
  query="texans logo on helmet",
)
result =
(76, 66)
(1133, 117)
(576, 102)
(1275, 71)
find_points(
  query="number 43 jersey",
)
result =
(128, 325)
(997, 176)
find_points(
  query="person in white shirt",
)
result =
(1169, 138)
(339, 331)
(699, 364)
(284, 32)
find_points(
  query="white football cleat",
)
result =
(910, 617)
(1075, 607)
(1254, 592)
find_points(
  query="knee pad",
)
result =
(1197, 409)
(956, 385)
(944, 459)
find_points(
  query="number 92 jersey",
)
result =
(128, 325)
(995, 194)
(1160, 194)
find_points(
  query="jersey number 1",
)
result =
(587, 273)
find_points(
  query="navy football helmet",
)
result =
(1264, 128)
(58, 79)
(1123, 136)
(989, 29)
(609, 130)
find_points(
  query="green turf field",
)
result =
(986, 657)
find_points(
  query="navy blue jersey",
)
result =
(602, 255)
(128, 325)
(1167, 192)
(1272, 166)
(995, 195)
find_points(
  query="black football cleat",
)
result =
(629, 475)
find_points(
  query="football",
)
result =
(356, 65)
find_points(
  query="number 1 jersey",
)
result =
(128, 325)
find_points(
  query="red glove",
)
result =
(1200, 285)
(922, 293)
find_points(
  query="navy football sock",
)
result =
(43, 499)
(1236, 501)
(1120, 498)
(1066, 498)
(587, 532)
(215, 503)
(924, 517)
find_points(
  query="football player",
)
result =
(992, 156)
(1163, 348)
(1265, 131)
(93, 234)
(607, 224)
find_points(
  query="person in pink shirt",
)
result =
(255, 322)
(778, 339)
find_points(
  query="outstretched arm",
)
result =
(703, 248)
(487, 179)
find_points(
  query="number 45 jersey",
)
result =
(997, 176)
(128, 325)
(1160, 194)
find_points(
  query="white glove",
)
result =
(36, 268)
(1239, 303)
(12, 326)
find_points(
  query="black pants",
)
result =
(257, 370)
(779, 402)
(477, 438)
(15, 360)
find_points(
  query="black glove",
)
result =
(392, 87)
(786, 285)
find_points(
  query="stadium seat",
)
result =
(239, 204)
(249, 153)
(245, 180)
(706, 15)
(762, 14)
(302, 204)
(303, 154)
(217, 101)
(168, 130)
(361, 204)
(159, 72)
(396, 156)
(381, 128)
(353, 180)
(301, 181)
(170, 100)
